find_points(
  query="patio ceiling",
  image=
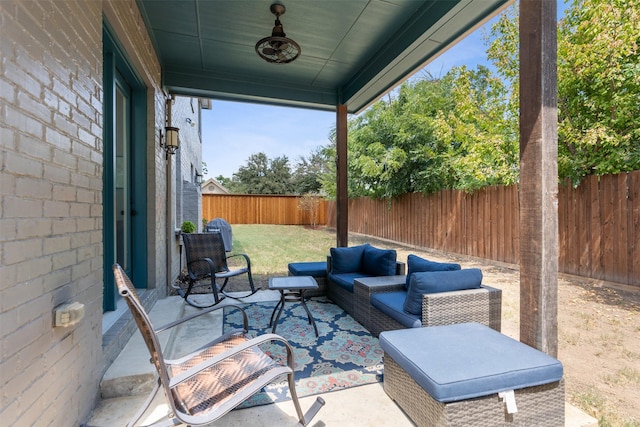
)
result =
(353, 51)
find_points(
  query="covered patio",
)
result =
(354, 54)
(349, 57)
(79, 78)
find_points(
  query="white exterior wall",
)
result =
(51, 226)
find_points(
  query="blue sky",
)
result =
(232, 131)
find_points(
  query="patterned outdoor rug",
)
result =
(345, 354)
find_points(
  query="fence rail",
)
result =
(599, 224)
(260, 209)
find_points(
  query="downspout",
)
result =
(169, 223)
(169, 202)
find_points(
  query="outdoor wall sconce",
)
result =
(198, 178)
(171, 142)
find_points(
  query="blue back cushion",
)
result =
(379, 262)
(416, 264)
(347, 260)
(431, 282)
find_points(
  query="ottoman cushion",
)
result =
(463, 361)
(315, 269)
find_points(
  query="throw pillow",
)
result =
(347, 260)
(416, 264)
(379, 262)
(430, 282)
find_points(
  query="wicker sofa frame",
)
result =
(537, 406)
(482, 305)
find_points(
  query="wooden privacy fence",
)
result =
(598, 222)
(260, 209)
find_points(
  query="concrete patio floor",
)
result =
(126, 383)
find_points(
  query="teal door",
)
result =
(122, 195)
(124, 192)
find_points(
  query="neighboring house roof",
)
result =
(211, 186)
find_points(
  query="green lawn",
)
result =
(272, 247)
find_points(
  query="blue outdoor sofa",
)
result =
(431, 294)
(345, 265)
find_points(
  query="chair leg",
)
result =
(303, 419)
(145, 407)
(253, 289)
(214, 290)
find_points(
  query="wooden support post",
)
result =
(342, 196)
(538, 176)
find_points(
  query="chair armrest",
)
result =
(483, 305)
(328, 264)
(203, 312)
(245, 256)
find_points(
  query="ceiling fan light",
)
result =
(278, 48)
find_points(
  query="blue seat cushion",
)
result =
(416, 264)
(430, 282)
(379, 262)
(347, 260)
(463, 361)
(391, 304)
(315, 269)
(345, 280)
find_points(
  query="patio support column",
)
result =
(342, 196)
(538, 176)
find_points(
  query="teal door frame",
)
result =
(116, 66)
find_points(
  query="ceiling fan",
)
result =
(278, 48)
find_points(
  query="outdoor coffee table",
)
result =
(291, 290)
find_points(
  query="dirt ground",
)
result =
(598, 333)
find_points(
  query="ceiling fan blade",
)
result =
(284, 46)
(268, 51)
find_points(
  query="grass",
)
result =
(273, 247)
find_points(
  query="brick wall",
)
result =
(51, 243)
(51, 201)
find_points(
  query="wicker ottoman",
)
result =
(317, 270)
(453, 376)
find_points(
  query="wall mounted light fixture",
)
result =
(171, 141)
(198, 178)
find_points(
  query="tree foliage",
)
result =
(306, 177)
(262, 175)
(452, 132)
(462, 131)
(599, 88)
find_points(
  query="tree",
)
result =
(480, 130)
(599, 88)
(308, 171)
(452, 132)
(263, 176)
(392, 147)
(598, 84)
(310, 203)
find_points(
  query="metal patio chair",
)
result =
(207, 261)
(204, 385)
